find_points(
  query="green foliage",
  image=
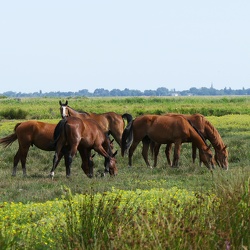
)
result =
(14, 114)
(48, 108)
(156, 218)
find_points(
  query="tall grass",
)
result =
(218, 220)
(48, 108)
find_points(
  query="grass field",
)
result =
(230, 115)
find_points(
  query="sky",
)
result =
(60, 45)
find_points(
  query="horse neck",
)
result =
(195, 137)
(213, 136)
(73, 112)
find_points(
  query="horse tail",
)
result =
(58, 130)
(8, 140)
(127, 137)
(128, 117)
(198, 132)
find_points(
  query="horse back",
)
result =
(108, 121)
(35, 133)
(162, 129)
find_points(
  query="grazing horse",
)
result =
(208, 131)
(110, 122)
(31, 133)
(83, 135)
(163, 130)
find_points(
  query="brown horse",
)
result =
(83, 135)
(208, 131)
(110, 122)
(31, 133)
(163, 130)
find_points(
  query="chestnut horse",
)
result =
(163, 130)
(31, 133)
(208, 131)
(110, 122)
(83, 135)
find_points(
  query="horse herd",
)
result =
(83, 131)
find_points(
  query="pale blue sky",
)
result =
(73, 45)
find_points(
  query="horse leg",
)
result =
(193, 152)
(87, 167)
(68, 158)
(156, 153)
(55, 163)
(56, 159)
(67, 163)
(23, 156)
(177, 149)
(101, 150)
(167, 153)
(16, 160)
(145, 148)
(131, 151)
(117, 135)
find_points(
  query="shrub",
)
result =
(14, 114)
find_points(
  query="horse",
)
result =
(110, 122)
(208, 131)
(83, 135)
(163, 130)
(31, 133)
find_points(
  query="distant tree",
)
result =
(83, 92)
(162, 91)
(150, 92)
(101, 92)
(115, 92)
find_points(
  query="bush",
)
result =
(14, 114)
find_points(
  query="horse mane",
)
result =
(79, 111)
(66, 104)
(198, 132)
(214, 137)
(109, 141)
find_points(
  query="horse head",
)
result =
(110, 164)
(221, 157)
(206, 156)
(64, 109)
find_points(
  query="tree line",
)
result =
(162, 91)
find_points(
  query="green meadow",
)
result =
(141, 208)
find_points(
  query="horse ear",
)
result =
(115, 153)
(66, 103)
(60, 103)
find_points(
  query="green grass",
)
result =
(48, 108)
(225, 222)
